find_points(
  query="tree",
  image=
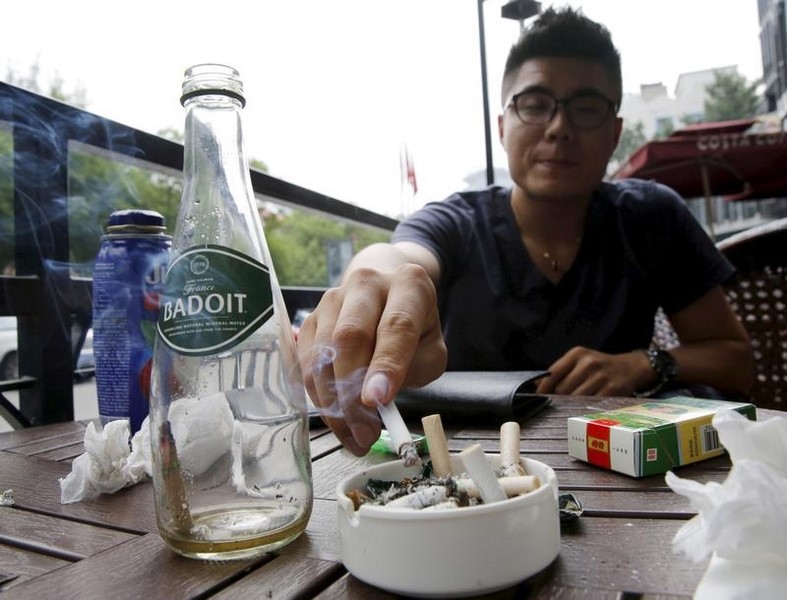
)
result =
(54, 88)
(631, 138)
(298, 244)
(99, 185)
(730, 97)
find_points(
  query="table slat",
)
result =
(13, 439)
(24, 565)
(57, 537)
(284, 577)
(130, 509)
(625, 555)
(141, 568)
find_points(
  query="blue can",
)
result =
(127, 279)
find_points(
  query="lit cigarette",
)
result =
(509, 449)
(482, 474)
(438, 447)
(400, 436)
(512, 486)
(428, 496)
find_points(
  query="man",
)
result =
(562, 272)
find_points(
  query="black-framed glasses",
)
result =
(585, 110)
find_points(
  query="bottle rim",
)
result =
(210, 79)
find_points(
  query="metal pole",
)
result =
(490, 173)
(709, 213)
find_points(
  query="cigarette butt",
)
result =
(173, 481)
(438, 447)
(509, 449)
(512, 486)
(428, 496)
(449, 504)
(482, 474)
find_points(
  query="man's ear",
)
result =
(500, 129)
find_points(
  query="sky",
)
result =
(336, 88)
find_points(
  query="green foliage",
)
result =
(664, 129)
(55, 88)
(631, 138)
(730, 97)
(297, 241)
(99, 186)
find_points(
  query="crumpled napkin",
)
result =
(742, 522)
(109, 463)
(201, 427)
(209, 441)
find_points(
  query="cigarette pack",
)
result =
(652, 437)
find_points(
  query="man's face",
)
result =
(557, 160)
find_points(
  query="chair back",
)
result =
(758, 296)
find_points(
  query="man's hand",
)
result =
(379, 331)
(585, 372)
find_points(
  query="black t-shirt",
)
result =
(641, 249)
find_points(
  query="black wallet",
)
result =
(475, 396)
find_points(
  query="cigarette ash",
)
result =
(426, 491)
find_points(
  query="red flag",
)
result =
(408, 170)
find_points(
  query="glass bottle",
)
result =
(229, 436)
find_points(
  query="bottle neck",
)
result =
(213, 145)
(217, 195)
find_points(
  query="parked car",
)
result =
(9, 358)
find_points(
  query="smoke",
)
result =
(346, 391)
(62, 172)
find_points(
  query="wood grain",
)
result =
(108, 547)
(68, 540)
(140, 568)
(24, 565)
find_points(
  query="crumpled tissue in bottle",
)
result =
(109, 462)
(742, 522)
(202, 428)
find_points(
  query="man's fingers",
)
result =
(370, 330)
(409, 326)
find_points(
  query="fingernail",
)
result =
(375, 389)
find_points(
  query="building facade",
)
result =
(773, 42)
(660, 113)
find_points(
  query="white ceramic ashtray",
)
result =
(449, 553)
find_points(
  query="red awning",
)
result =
(715, 159)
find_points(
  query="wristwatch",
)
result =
(665, 367)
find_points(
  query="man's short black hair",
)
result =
(566, 33)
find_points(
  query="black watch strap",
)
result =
(664, 366)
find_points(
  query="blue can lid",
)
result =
(135, 219)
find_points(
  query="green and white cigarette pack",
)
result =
(652, 437)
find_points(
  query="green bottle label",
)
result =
(214, 298)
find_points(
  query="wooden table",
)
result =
(109, 547)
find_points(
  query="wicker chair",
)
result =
(758, 296)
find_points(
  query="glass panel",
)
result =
(6, 201)
(303, 245)
(100, 185)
